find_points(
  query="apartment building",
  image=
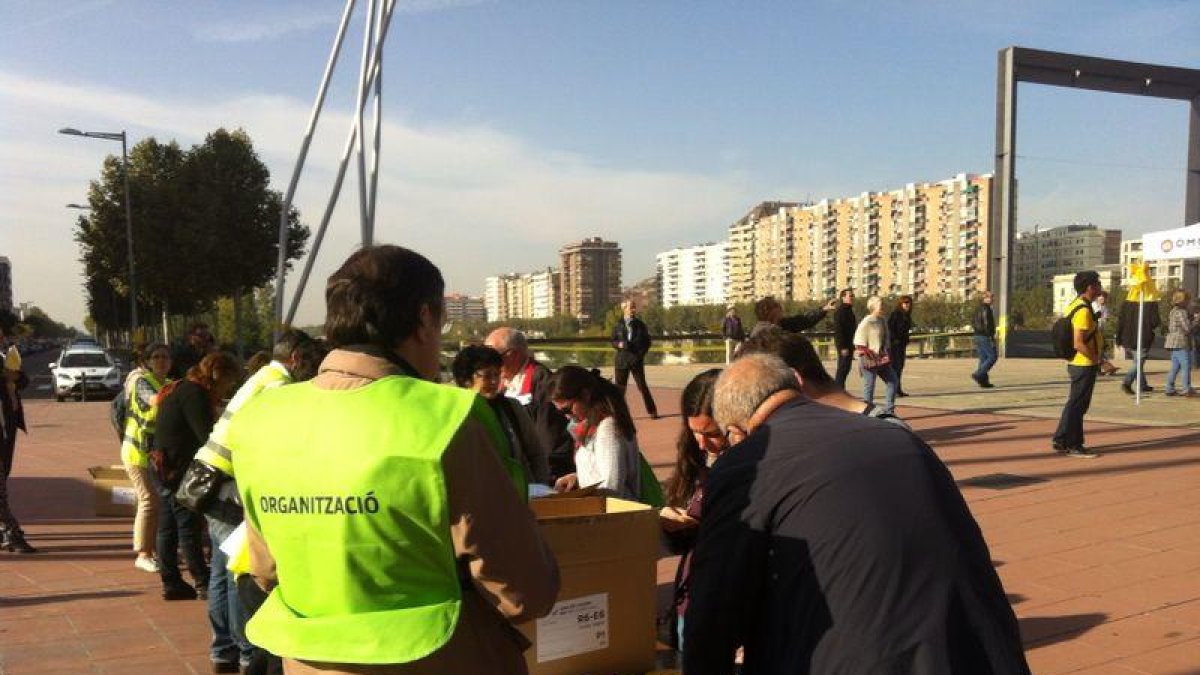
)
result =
(591, 278)
(1166, 273)
(526, 295)
(6, 292)
(695, 275)
(461, 307)
(1042, 254)
(922, 239)
(744, 248)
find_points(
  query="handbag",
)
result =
(873, 361)
(199, 486)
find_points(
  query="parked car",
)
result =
(79, 366)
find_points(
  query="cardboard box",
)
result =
(114, 493)
(604, 620)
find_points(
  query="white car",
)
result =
(80, 366)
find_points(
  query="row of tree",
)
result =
(36, 325)
(205, 227)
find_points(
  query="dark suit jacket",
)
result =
(844, 325)
(637, 342)
(836, 543)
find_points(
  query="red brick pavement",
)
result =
(1101, 561)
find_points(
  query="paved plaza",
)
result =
(1100, 557)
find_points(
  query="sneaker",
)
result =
(978, 380)
(987, 384)
(178, 590)
(1081, 451)
(13, 541)
(1169, 393)
(1147, 389)
(1059, 447)
(1126, 388)
(901, 393)
(146, 564)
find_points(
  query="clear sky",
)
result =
(512, 127)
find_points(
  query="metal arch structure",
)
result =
(369, 86)
(1020, 64)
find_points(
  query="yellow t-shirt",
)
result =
(1084, 320)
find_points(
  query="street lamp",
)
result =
(111, 136)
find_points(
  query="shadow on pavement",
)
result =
(1039, 631)
(63, 597)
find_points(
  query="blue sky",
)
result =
(513, 127)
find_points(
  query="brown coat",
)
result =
(513, 574)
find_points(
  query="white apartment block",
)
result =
(696, 275)
(527, 295)
(1166, 273)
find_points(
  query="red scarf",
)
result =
(527, 383)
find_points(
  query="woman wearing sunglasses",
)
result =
(608, 456)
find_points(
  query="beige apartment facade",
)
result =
(591, 278)
(526, 295)
(925, 239)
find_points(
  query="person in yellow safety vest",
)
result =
(295, 358)
(135, 449)
(377, 508)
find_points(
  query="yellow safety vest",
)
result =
(215, 451)
(139, 423)
(347, 489)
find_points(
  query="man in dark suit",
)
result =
(631, 339)
(844, 325)
(528, 382)
(830, 542)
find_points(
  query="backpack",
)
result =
(1062, 334)
(118, 411)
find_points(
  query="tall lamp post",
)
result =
(113, 136)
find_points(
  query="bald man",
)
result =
(831, 542)
(528, 381)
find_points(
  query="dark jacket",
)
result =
(732, 328)
(550, 424)
(899, 324)
(185, 419)
(635, 338)
(12, 411)
(844, 325)
(836, 543)
(983, 322)
(1127, 325)
(802, 321)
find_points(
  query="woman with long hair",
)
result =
(700, 442)
(608, 456)
(1179, 343)
(187, 411)
(140, 392)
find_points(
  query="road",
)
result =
(37, 366)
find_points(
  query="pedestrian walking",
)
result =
(1127, 338)
(733, 332)
(1180, 327)
(12, 420)
(833, 543)
(376, 504)
(875, 363)
(899, 325)
(983, 326)
(135, 451)
(631, 339)
(1082, 368)
(844, 326)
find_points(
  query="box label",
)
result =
(574, 626)
(123, 495)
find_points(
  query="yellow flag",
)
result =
(1142, 286)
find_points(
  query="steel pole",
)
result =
(360, 103)
(133, 313)
(377, 136)
(322, 90)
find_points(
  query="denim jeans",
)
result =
(1181, 362)
(985, 347)
(1134, 367)
(226, 615)
(889, 377)
(177, 527)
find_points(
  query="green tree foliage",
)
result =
(204, 225)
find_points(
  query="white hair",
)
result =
(744, 386)
(873, 303)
